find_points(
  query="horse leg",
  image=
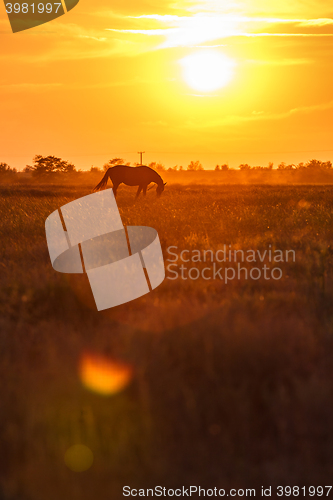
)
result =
(115, 187)
(138, 191)
(145, 190)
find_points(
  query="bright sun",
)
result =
(207, 70)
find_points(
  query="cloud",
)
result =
(69, 42)
(180, 25)
(180, 31)
(285, 8)
(316, 22)
(280, 62)
(158, 17)
(256, 116)
(199, 28)
(32, 87)
(302, 35)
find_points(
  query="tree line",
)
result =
(52, 165)
(310, 165)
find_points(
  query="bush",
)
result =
(48, 165)
(195, 166)
(114, 162)
(6, 169)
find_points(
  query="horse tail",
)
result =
(104, 181)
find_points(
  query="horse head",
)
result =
(160, 189)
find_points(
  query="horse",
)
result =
(140, 176)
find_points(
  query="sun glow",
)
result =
(207, 70)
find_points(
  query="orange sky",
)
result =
(105, 80)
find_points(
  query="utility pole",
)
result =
(141, 153)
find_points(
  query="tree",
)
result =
(244, 166)
(157, 166)
(5, 169)
(283, 166)
(225, 167)
(195, 166)
(318, 165)
(46, 165)
(28, 169)
(96, 170)
(217, 168)
(114, 162)
(313, 165)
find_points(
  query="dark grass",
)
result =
(232, 383)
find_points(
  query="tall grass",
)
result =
(232, 383)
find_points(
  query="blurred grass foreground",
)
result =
(198, 382)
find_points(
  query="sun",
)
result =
(207, 70)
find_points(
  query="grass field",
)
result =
(232, 383)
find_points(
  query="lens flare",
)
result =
(79, 458)
(103, 375)
(207, 70)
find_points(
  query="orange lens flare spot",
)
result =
(103, 375)
(79, 458)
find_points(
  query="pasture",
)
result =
(231, 384)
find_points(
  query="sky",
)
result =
(234, 82)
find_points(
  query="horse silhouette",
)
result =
(140, 176)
